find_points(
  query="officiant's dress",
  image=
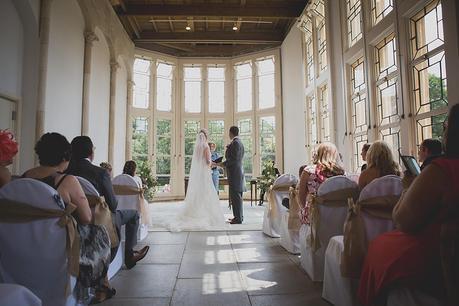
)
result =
(201, 209)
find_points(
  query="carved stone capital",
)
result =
(114, 66)
(90, 37)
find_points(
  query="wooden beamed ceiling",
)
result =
(208, 28)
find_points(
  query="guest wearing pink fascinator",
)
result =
(8, 149)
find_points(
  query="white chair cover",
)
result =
(117, 262)
(130, 202)
(410, 297)
(15, 295)
(289, 239)
(340, 290)
(331, 224)
(33, 254)
(271, 226)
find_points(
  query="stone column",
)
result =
(89, 38)
(45, 12)
(111, 132)
(130, 88)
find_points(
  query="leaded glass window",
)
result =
(380, 9)
(266, 83)
(245, 134)
(164, 87)
(324, 114)
(216, 88)
(430, 97)
(354, 21)
(359, 109)
(267, 139)
(140, 139)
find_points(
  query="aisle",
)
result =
(253, 215)
(209, 269)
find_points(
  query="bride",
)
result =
(201, 209)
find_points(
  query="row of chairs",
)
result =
(34, 254)
(327, 248)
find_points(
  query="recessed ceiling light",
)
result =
(188, 28)
(235, 28)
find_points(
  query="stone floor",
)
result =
(215, 268)
(253, 215)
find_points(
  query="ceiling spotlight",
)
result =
(188, 28)
(235, 28)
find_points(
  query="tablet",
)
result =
(411, 164)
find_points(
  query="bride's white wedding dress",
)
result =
(201, 209)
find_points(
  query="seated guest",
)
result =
(54, 152)
(107, 167)
(428, 151)
(130, 168)
(364, 155)
(410, 255)
(380, 163)
(326, 164)
(8, 149)
(81, 165)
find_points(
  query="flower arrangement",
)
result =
(8, 147)
(268, 176)
(148, 179)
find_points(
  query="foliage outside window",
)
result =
(163, 158)
(268, 176)
(267, 139)
(245, 134)
(192, 128)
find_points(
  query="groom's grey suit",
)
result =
(233, 163)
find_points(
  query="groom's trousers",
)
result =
(236, 203)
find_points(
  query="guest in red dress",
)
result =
(410, 255)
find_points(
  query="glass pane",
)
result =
(430, 127)
(266, 91)
(245, 134)
(325, 113)
(309, 51)
(358, 75)
(163, 148)
(386, 57)
(386, 95)
(217, 135)
(265, 66)
(192, 128)
(163, 183)
(243, 71)
(354, 21)
(244, 95)
(359, 141)
(380, 9)
(216, 73)
(392, 137)
(164, 87)
(426, 29)
(429, 77)
(216, 96)
(140, 139)
(192, 97)
(192, 73)
(359, 114)
(267, 139)
(141, 88)
(312, 119)
(142, 66)
(321, 42)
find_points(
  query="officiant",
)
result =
(214, 157)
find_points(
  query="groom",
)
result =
(233, 163)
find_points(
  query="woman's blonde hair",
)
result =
(328, 158)
(380, 156)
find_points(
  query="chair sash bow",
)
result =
(17, 212)
(337, 198)
(103, 216)
(141, 202)
(355, 239)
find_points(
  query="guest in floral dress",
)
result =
(326, 163)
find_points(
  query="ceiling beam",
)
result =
(283, 9)
(212, 37)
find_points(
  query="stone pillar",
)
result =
(111, 132)
(89, 38)
(130, 88)
(45, 12)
